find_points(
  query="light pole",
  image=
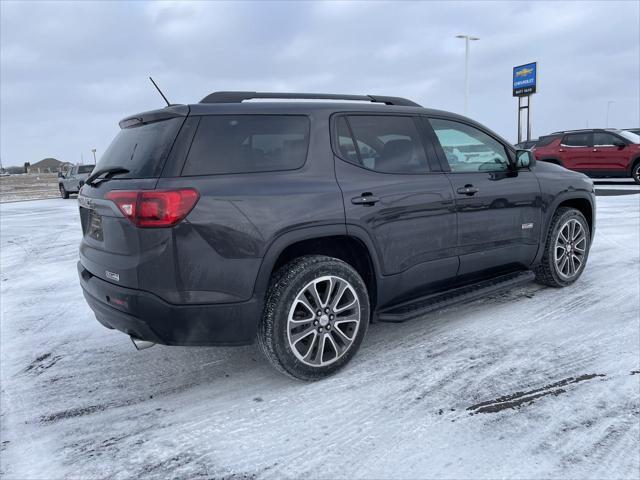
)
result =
(467, 39)
(608, 105)
(93, 150)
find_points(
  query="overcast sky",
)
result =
(70, 71)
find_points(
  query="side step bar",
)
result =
(416, 308)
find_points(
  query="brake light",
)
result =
(154, 208)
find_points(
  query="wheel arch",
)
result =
(333, 241)
(584, 206)
(634, 161)
(581, 201)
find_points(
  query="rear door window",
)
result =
(141, 149)
(582, 139)
(85, 168)
(248, 143)
(384, 143)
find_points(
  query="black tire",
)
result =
(635, 172)
(63, 193)
(547, 272)
(286, 284)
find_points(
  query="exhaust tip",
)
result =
(141, 344)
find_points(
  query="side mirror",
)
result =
(60, 175)
(525, 159)
(619, 144)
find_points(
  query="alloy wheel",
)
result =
(323, 321)
(570, 249)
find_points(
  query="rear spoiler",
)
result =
(154, 116)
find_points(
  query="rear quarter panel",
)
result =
(218, 249)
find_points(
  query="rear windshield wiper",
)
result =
(107, 172)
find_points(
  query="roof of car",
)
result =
(238, 97)
(305, 106)
(229, 103)
(585, 130)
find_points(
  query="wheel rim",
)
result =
(323, 321)
(637, 171)
(570, 249)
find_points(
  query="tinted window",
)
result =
(85, 168)
(544, 141)
(248, 143)
(468, 149)
(345, 142)
(142, 150)
(577, 139)
(601, 139)
(631, 135)
(385, 144)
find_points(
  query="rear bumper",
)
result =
(147, 317)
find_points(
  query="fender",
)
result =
(553, 206)
(632, 162)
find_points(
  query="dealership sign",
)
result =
(525, 78)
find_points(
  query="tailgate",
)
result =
(112, 248)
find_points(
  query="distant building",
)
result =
(48, 165)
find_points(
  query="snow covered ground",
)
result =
(533, 383)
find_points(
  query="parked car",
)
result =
(527, 144)
(633, 130)
(71, 180)
(597, 152)
(298, 223)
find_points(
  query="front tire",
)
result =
(315, 317)
(63, 192)
(635, 172)
(566, 249)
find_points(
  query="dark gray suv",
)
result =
(298, 223)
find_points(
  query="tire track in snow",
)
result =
(519, 399)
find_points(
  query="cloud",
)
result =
(70, 71)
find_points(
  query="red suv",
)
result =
(596, 152)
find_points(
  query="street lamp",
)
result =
(467, 39)
(93, 150)
(609, 105)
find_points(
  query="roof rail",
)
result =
(577, 130)
(238, 97)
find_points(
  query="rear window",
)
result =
(544, 141)
(141, 150)
(85, 168)
(248, 143)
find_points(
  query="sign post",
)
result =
(525, 81)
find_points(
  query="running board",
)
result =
(416, 308)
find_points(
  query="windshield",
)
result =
(141, 150)
(632, 137)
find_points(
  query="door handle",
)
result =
(367, 198)
(468, 190)
(561, 150)
(596, 150)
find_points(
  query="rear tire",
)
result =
(63, 193)
(308, 336)
(566, 249)
(635, 172)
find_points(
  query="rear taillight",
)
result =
(154, 208)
